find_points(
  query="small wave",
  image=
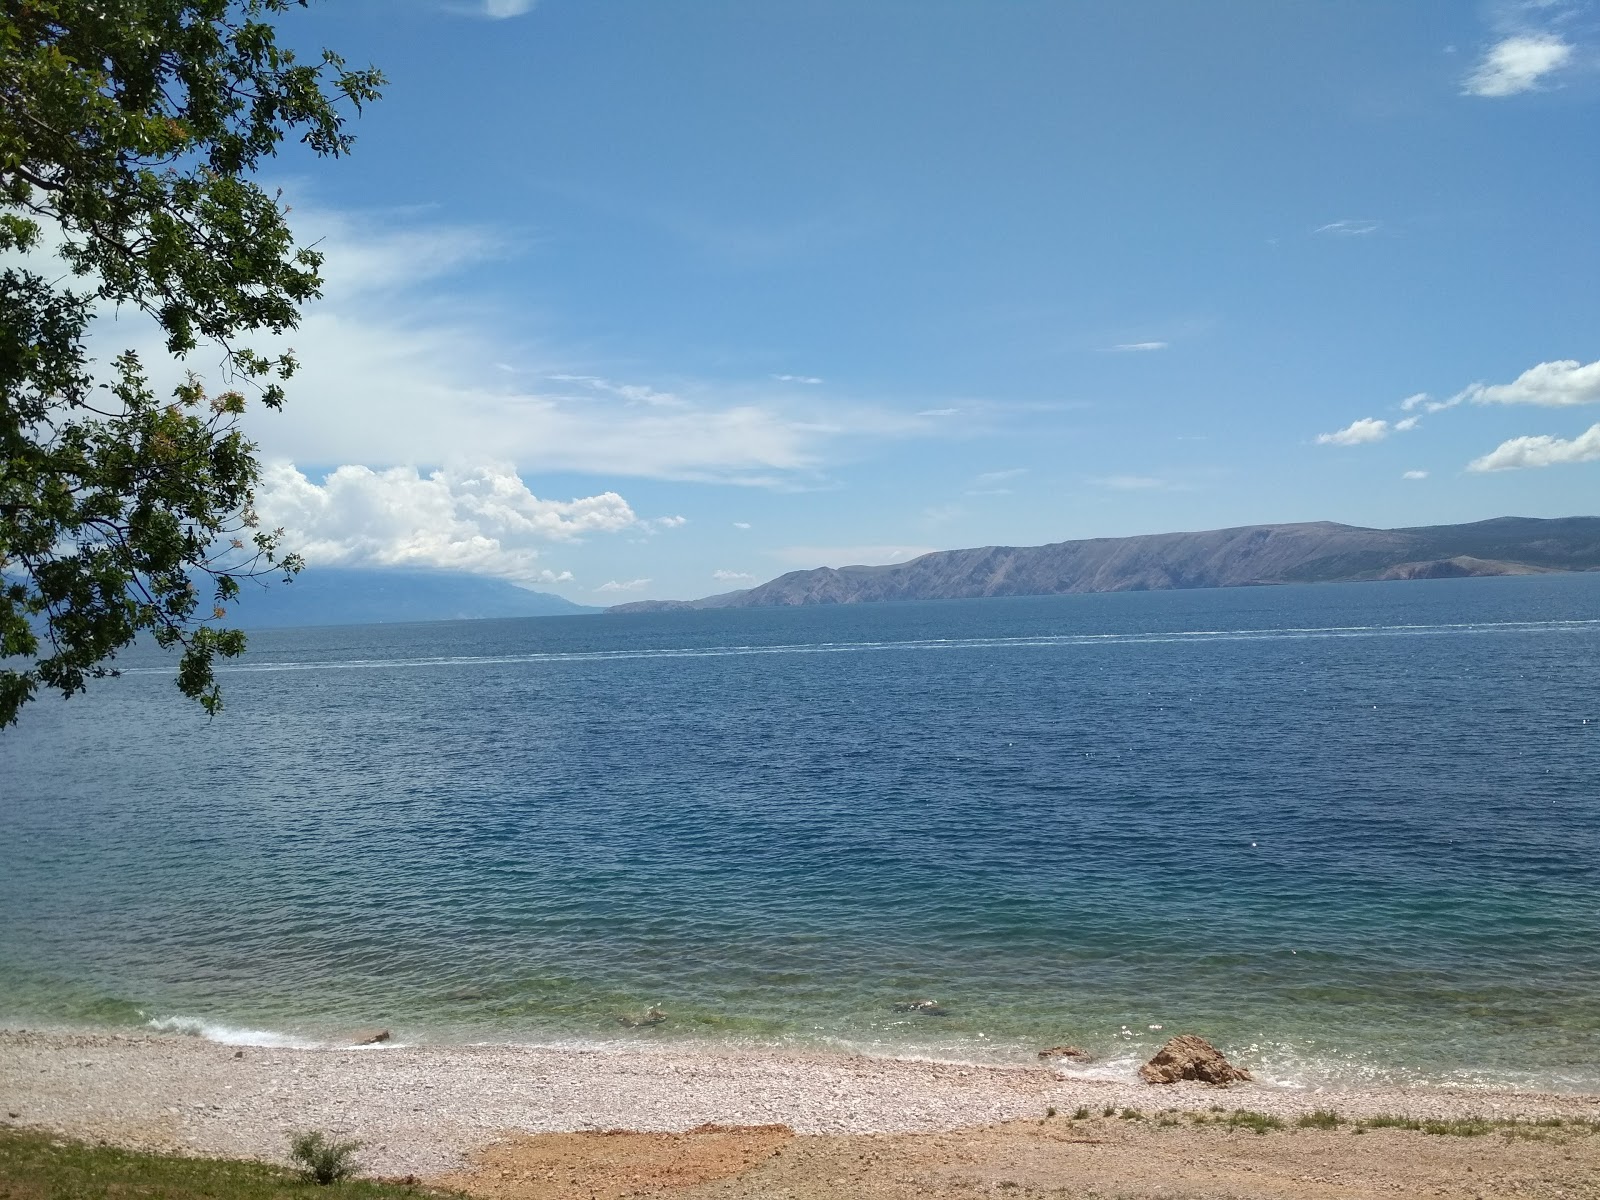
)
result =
(229, 1035)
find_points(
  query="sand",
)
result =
(481, 1118)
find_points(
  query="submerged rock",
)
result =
(369, 1037)
(651, 1016)
(928, 1008)
(1066, 1052)
(1189, 1057)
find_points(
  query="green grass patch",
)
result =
(1082, 1114)
(1256, 1122)
(1322, 1118)
(38, 1166)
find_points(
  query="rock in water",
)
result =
(369, 1037)
(652, 1016)
(1189, 1057)
(1066, 1052)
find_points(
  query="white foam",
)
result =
(229, 1035)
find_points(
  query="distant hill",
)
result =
(1315, 552)
(359, 596)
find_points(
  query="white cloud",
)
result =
(398, 365)
(1414, 401)
(938, 412)
(652, 524)
(1348, 228)
(1517, 64)
(480, 519)
(1131, 483)
(631, 585)
(810, 379)
(731, 576)
(989, 479)
(1407, 424)
(1415, 475)
(553, 577)
(741, 524)
(1561, 384)
(846, 556)
(1139, 347)
(1541, 451)
(499, 10)
(1367, 429)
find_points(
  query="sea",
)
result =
(1348, 832)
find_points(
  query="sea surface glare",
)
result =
(1348, 832)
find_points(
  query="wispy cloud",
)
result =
(629, 585)
(731, 576)
(499, 10)
(1357, 433)
(1132, 483)
(1415, 475)
(1517, 64)
(481, 519)
(992, 478)
(398, 367)
(741, 524)
(1542, 451)
(1348, 228)
(807, 379)
(1138, 347)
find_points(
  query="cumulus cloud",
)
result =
(1367, 429)
(1139, 347)
(731, 576)
(614, 585)
(1415, 475)
(1541, 451)
(481, 519)
(1517, 64)
(1561, 384)
(1348, 228)
(1407, 424)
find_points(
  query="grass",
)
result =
(37, 1166)
(322, 1161)
(1256, 1122)
(1322, 1118)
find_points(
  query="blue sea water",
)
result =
(1349, 832)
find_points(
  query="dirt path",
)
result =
(1101, 1158)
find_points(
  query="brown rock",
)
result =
(1189, 1057)
(1066, 1052)
(369, 1037)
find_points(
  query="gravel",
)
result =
(421, 1109)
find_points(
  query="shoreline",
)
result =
(424, 1110)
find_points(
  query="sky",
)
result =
(631, 300)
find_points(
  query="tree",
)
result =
(130, 132)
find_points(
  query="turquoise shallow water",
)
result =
(1350, 832)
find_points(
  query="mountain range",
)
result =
(370, 596)
(1312, 552)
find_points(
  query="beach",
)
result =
(463, 1114)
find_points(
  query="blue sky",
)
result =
(631, 299)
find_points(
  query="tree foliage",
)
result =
(130, 134)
